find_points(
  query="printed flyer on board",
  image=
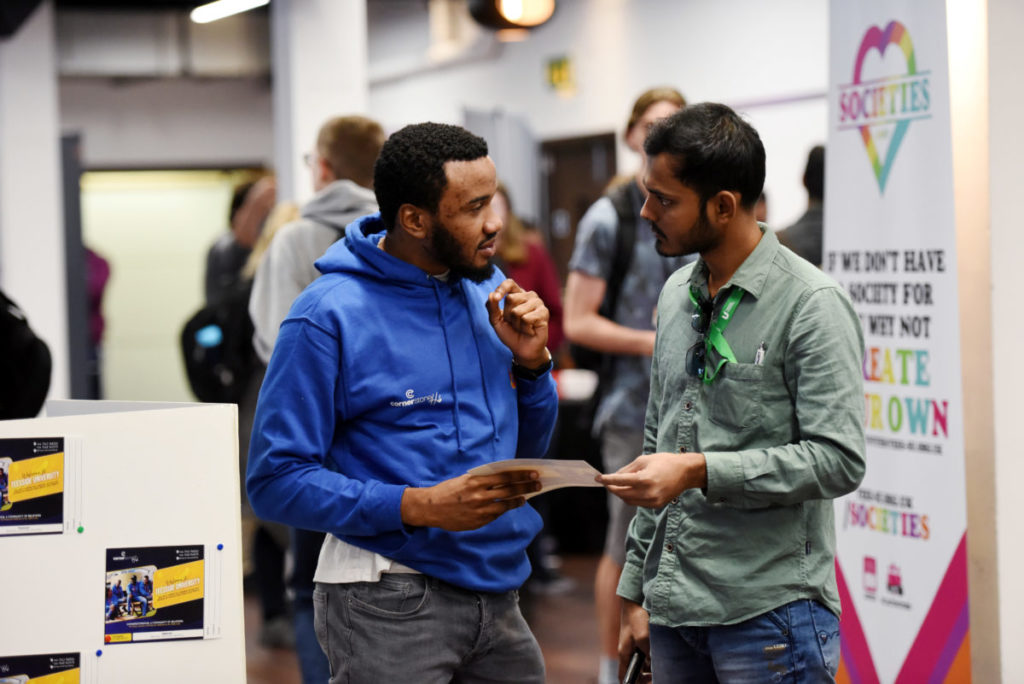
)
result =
(154, 594)
(51, 668)
(31, 485)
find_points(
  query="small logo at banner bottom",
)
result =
(870, 575)
(894, 581)
(881, 107)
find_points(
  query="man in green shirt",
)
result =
(755, 422)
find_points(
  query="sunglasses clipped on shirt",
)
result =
(699, 321)
(712, 334)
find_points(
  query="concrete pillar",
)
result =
(1006, 100)
(319, 69)
(969, 109)
(32, 269)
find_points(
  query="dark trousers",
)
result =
(306, 553)
(268, 568)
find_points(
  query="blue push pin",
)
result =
(99, 652)
(220, 547)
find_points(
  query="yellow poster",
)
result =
(36, 477)
(178, 584)
(32, 474)
(67, 677)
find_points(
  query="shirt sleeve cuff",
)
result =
(725, 477)
(631, 583)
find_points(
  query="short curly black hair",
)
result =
(410, 168)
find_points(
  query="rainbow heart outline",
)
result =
(878, 39)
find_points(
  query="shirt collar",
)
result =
(752, 274)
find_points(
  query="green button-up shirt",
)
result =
(781, 438)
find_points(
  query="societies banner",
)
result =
(890, 241)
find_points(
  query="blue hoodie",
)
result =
(383, 377)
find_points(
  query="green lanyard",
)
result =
(716, 333)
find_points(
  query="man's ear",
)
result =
(326, 172)
(414, 221)
(723, 207)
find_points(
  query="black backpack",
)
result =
(217, 346)
(25, 365)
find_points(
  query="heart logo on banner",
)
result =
(878, 39)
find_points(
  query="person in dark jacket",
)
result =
(25, 364)
(804, 236)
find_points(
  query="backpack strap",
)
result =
(624, 200)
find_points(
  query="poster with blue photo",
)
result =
(154, 593)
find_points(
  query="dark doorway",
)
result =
(576, 172)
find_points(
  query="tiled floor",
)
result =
(563, 623)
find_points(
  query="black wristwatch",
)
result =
(533, 373)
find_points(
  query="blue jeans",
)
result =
(410, 628)
(305, 554)
(796, 642)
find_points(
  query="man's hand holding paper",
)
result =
(553, 474)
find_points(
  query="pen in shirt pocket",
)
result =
(759, 354)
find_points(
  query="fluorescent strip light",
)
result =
(213, 11)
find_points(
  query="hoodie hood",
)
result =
(359, 253)
(339, 204)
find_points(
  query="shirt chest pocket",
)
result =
(735, 396)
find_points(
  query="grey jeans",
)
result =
(415, 629)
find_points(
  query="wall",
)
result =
(151, 89)
(768, 59)
(170, 122)
(742, 52)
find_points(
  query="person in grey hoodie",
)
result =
(342, 169)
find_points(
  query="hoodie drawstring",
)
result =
(480, 366)
(451, 364)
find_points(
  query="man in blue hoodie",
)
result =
(135, 594)
(409, 362)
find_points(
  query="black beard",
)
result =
(448, 251)
(700, 238)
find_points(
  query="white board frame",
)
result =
(152, 475)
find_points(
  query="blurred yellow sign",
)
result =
(561, 76)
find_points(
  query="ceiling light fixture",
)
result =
(213, 11)
(526, 12)
(511, 14)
